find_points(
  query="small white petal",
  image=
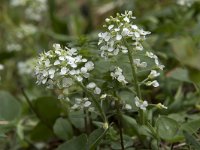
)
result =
(87, 104)
(126, 19)
(155, 83)
(47, 63)
(118, 37)
(1, 67)
(51, 71)
(97, 90)
(134, 27)
(57, 62)
(128, 107)
(62, 58)
(91, 85)
(63, 71)
(83, 70)
(110, 27)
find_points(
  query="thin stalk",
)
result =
(94, 100)
(120, 125)
(135, 80)
(34, 110)
(85, 121)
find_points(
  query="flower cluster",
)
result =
(22, 32)
(141, 104)
(25, 30)
(61, 66)
(34, 8)
(10, 47)
(81, 103)
(26, 67)
(153, 74)
(118, 74)
(122, 35)
(94, 87)
(187, 3)
(120, 29)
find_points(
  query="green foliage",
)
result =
(63, 129)
(41, 121)
(167, 128)
(76, 143)
(10, 108)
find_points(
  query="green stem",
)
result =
(94, 100)
(135, 80)
(120, 125)
(34, 110)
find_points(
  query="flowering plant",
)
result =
(60, 68)
(102, 85)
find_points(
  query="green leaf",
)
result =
(10, 108)
(180, 74)
(167, 128)
(186, 52)
(95, 137)
(48, 109)
(77, 143)
(191, 126)
(130, 125)
(41, 132)
(191, 140)
(63, 129)
(77, 119)
(128, 142)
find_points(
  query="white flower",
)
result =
(117, 29)
(1, 67)
(140, 64)
(153, 83)
(134, 27)
(47, 63)
(55, 68)
(97, 90)
(56, 46)
(16, 3)
(81, 103)
(79, 78)
(57, 62)
(87, 104)
(141, 104)
(187, 3)
(107, 19)
(118, 37)
(13, 47)
(63, 71)
(67, 82)
(128, 106)
(125, 32)
(153, 74)
(126, 19)
(151, 55)
(161, 106)
(110, 27)
(89, 65)
(117, 74)
(91, 85)
(62, 58)
(105, 36)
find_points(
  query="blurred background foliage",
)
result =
(31, 117)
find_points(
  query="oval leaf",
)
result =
(167, 128)
(63, 129)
